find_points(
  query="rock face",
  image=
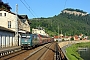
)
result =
(74, 12)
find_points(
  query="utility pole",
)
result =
(61, 31)
(58, 32)
(65, 35)
(61, 34)
(16, 26)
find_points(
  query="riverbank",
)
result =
(71, 52)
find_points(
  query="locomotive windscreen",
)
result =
(25, 35)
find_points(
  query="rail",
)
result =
(8, 51)
(9, 56)
(33, 53)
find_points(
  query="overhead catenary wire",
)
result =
(27, 8)
(30, 8)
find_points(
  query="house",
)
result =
(12, 26)
(8, 20)
(67, 38)
(76, 37)
(57, 38)
(24, 23)
(39, 30)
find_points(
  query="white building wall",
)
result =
(6, 39)
(37, 31)
(3, 41)
(12, 17)
(10, 41)
(14, 41)
(9, 37)
(9, 17)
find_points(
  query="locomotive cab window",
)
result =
(28, 35)
(23, 35)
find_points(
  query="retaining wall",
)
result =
(64, 43)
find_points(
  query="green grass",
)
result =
(72, 53)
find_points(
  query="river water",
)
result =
(85, 54)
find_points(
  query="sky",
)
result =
(46, 8)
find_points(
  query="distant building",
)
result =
(76, 37)
(57, 38)
(67, 38)
(85, 38)
(40, 31)
(61, 35)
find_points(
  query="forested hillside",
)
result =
(69, 24)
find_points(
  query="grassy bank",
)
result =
(72, 51)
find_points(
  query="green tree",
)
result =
(5, 6)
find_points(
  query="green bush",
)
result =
(56, 40)
(63, 40)
(72, 38)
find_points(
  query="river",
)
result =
(85, 54)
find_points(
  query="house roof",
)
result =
(23, 16)
(20, 16)
(7, 11)
(76, 37)
(57, 36)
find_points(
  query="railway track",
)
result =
(9, 56)
(40, 54)
(29, 54)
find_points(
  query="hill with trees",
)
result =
(69, 24)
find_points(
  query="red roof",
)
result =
(58, 36)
